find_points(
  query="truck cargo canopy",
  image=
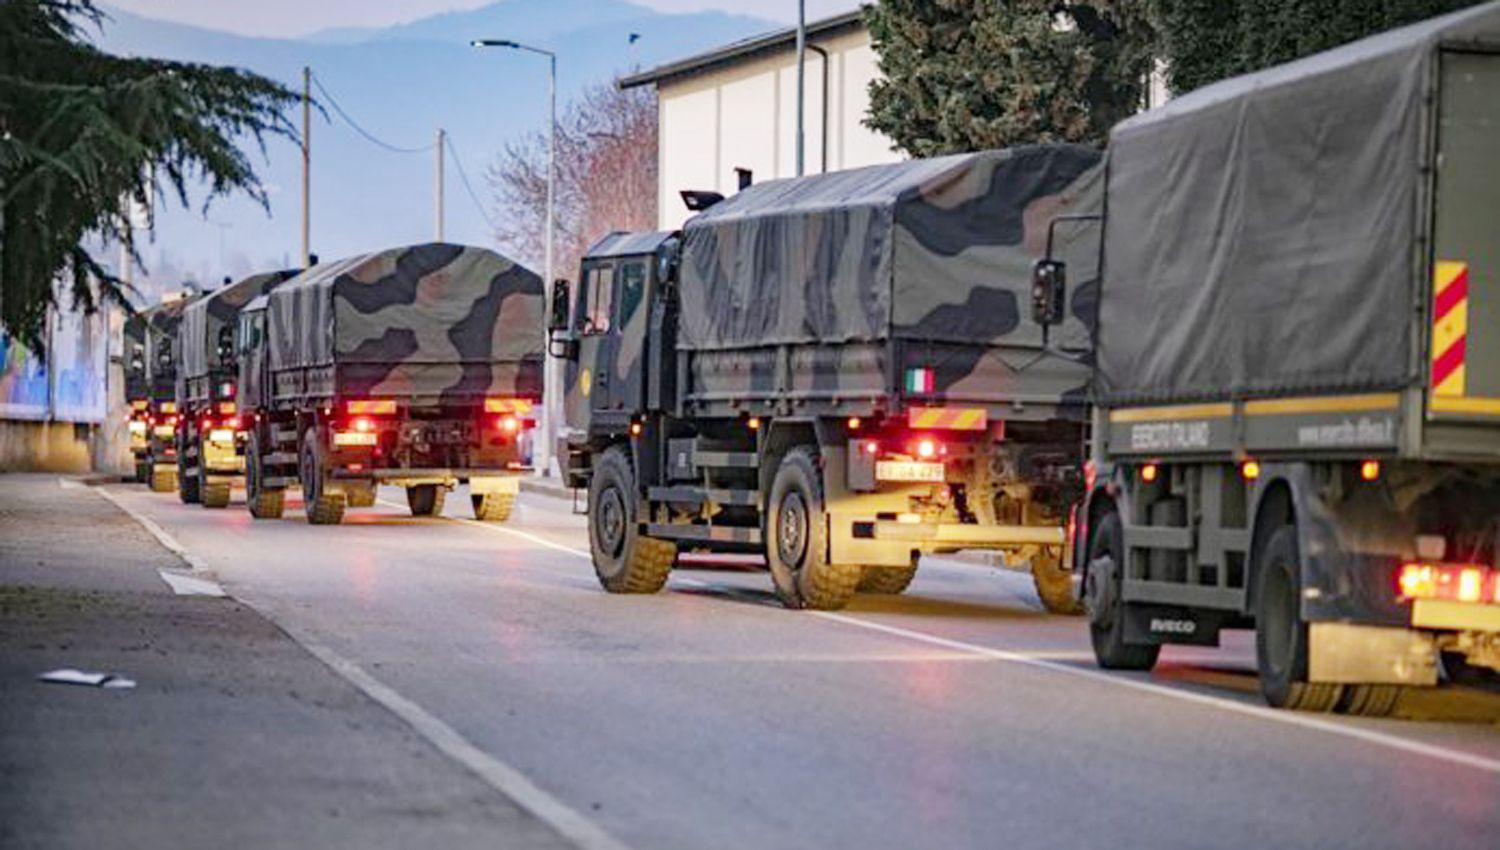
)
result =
(206, 318)
(938, 250)
(422, 319)
(1265, 232)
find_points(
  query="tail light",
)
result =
(1451, 582)
(927, 448)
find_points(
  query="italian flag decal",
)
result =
(920, 380)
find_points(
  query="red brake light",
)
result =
(364, 425)
(509, 424)
(1452, 582)
(927, 448)
(1149, 472)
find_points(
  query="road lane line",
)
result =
(156, 531)
(1306, 721)
(510, 782)
(1292, 718)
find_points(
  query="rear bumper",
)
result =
(953, 535)
(1455, 616)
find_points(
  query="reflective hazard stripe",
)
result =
(948, 418)
(1450, 326)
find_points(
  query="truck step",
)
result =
(277, 482)
(279, 458)
(700, 495)
(704, 533)
(725, 460)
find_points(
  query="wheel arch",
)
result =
(1275, 505)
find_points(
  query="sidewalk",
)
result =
(234, 736)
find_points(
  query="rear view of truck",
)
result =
(211, 439)
(843, 372)
(1299, 371)
(150, 387)
(418, 367)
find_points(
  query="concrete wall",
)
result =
(744, 116)
(47, 446)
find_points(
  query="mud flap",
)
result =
(1157, 624)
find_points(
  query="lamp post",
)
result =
(551, 381)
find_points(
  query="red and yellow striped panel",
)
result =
(1450, 326)
(948, 418)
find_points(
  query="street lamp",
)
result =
(551, 381)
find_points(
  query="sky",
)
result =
(283, 18)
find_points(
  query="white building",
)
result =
(736, 108)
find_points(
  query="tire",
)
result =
(142, 471)
(492, 507)
(1106, 608)
(1055, 586)
(1280, 634)
(1370, 700)
(163, 479)
(625, 560)
(426, 499)
(886, 580)
(796, 535)
(263, 503)
(187, 485)
(215, 494)
(322, 508)
(360, 496)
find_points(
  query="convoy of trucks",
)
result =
(1238, 372)
(419, 367)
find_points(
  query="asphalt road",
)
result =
(707, 716)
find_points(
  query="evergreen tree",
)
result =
(962, 75)
(1207, 40)
(82, 131)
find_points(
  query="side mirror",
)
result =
(1049, 280)
(558, 321)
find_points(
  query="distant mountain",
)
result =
(400, 83)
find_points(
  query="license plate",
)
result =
(221, 435)
(909, 470)
(164, 431)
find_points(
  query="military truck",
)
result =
(150, 381)
(418, 366)
(1299, 402)
(211, 441)
(839, 372)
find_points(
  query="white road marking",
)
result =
(1291, 718)
(150, 525)
(186, 585)
(497, 774)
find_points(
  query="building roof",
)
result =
(744, 50)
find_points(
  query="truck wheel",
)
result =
(887, 580)
(360, 495)
(142, 471)
(163, 478)
(796, 532)
(1054, 585)
(426, 499)
(625, 560)
(211, 494)
(1370, 700)
(1103, 601)
(263, 503)
(323, 508)
(1280, 634)
(492, 507)
(187, 485)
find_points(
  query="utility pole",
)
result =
(438, 188)
(801, 96)
(306, 165)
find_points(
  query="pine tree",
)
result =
(1207, 40)
(82, 132)
(962, 75)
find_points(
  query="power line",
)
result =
(362, 131)
(464, 177)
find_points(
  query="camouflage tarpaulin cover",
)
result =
(1265, 232)
(206, 319)
(417, 320)
(938, 249)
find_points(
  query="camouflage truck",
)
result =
(1298, 376)
(211, 440)
(150, 388)
(418, 366)
(839, 372)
